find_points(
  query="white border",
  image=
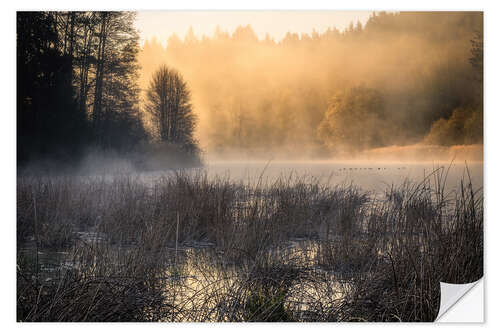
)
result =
(8, 137)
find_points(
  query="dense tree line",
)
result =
(48, 118)
(253, 94)
(402, 78)
(77, 85)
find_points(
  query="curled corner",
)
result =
(451, 294)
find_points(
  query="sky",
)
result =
(162, 24)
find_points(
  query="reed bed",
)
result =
(186, 247)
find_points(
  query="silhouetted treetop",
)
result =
(169, 104)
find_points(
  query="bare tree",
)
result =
(169, 104)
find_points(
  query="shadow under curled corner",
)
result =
(453, 300)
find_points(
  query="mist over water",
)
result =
(372, 170)
(376, 176)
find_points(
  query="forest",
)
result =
(78, 94)
(401, 79)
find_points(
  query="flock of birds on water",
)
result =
(381, 168)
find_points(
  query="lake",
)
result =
(370, 176)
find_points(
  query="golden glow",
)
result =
(268, 98)
(162, 24)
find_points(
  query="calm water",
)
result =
(369, 176)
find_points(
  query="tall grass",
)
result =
(186, 247)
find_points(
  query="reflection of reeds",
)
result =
(355, 257)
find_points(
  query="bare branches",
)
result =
(169, 104)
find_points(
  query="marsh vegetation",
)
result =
(189, 247)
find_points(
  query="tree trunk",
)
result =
(97, 112)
